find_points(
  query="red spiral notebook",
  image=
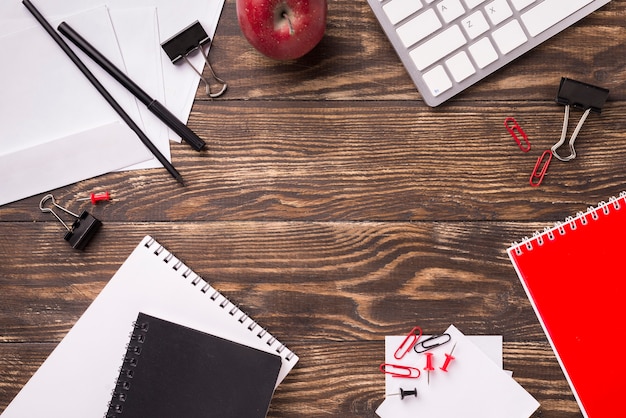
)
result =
(573, 274)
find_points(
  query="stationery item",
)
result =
(141, 60)
(37, 169)
(173, 371)
(180, 84)
(102, 90)
(474, 385)
(541, 168)
(431, 342)
(83, 228)
(412, 337)
(190, 39)
(396, 370)
(449, 358)
(152, 280)
(404, 393)
(56, 129)
(152, 104)
(514, 129)
(573, 276)
(581, 95)
(97, 197)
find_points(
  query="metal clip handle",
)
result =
(50, 198)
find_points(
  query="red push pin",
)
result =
(97, 197)
(429, 365)
(449, 358)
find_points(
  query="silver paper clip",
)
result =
(181, 45)
(580, 95)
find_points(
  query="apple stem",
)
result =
(286, 16)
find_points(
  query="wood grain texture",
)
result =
(336, 208)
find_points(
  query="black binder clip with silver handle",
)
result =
(83, 228)
(580, 95)
(181, 45)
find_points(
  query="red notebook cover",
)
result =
(573, 275)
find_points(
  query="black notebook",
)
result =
(173, 371)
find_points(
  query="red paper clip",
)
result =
(408, 343)
(513, 127)
(541, 167)
(397, 370)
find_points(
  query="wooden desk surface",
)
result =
(337, 208)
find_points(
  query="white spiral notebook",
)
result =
(78, 378)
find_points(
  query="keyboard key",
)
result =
(475, 25)
(450, 9)
(460, 66)
(483, 52)
(419, 27)
(437, 47)
(397, 10)
(521, 4)
(498, 11)
(473, 3)
(437, 80)
(509, 36)
(549, 13)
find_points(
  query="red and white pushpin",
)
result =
(97, 197)
(429, 365)
(449, 358)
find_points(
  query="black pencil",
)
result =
(152, 104)
(94, 81)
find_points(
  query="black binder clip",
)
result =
(580, 95)
(181, 45)
(82, 230)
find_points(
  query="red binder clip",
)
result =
(513, 127)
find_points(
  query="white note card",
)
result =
(474, 386)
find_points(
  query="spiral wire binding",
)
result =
(572, 221)
(124, 380)
(215, 296)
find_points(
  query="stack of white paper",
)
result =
(473, 386)
(55, 128)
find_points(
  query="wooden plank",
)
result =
(337, 378)
(363, 161)
(306, 281)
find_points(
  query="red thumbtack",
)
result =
(429, 365)
(449, 358)
(97, 197)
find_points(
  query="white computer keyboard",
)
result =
(448, 45)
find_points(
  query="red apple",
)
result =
(282, 29)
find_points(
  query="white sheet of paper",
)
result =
(180, 81)
(142, 60)
(44, 172)
(46, 98)
(474, 386)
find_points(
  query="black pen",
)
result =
(94, 81)
(154, 106)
